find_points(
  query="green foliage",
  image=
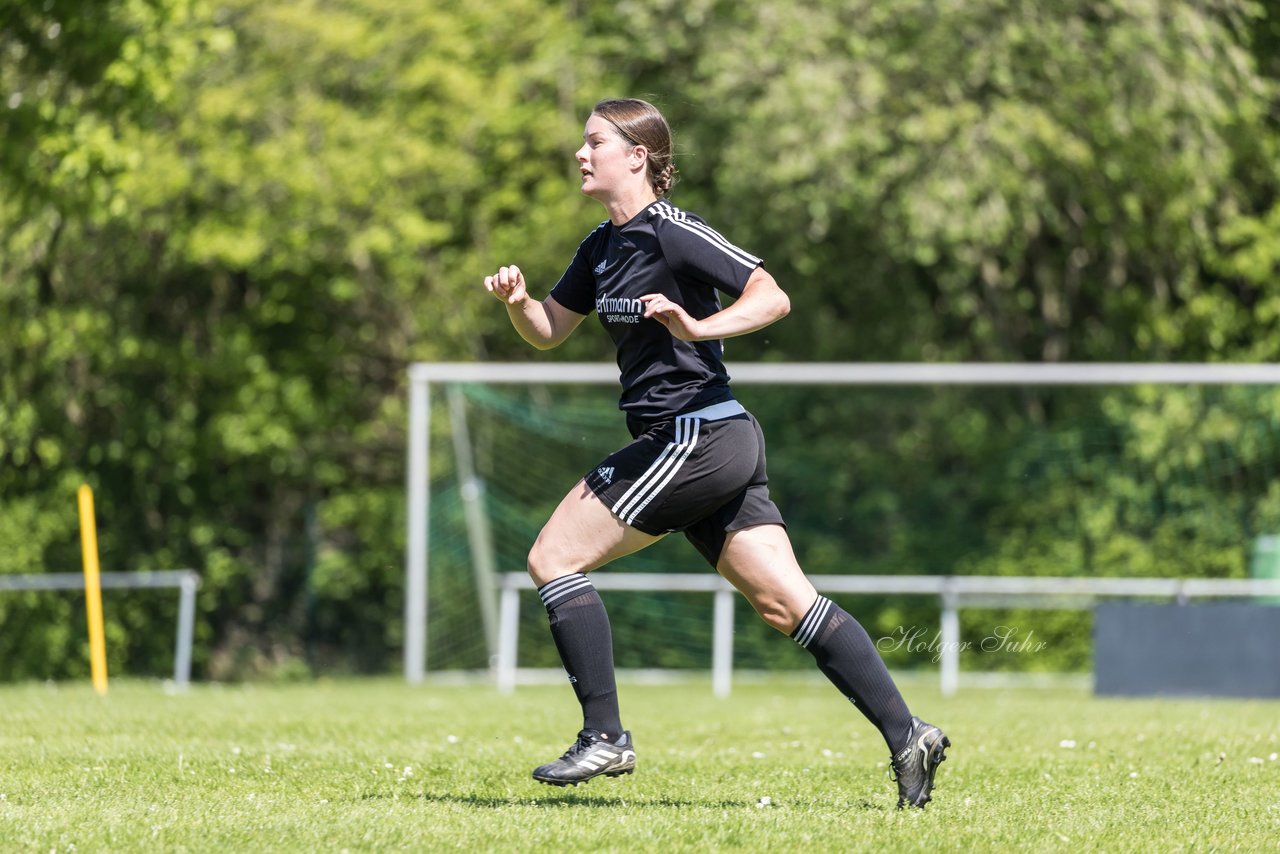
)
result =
(229, 226)
(77, 78)
(983, 180)
(217, 338)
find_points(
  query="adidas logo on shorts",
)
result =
(606, 473)
(600, 267)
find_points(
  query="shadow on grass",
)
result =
(563, 799)
(590, 801)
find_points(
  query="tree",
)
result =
(217, 339)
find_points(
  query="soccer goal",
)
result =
(909, 470)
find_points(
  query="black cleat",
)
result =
(915, 765)
(590, 756)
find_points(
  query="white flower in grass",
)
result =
(387, 765)
(764, 802)
(1068, 743)
(1133, 775)
(757, 755)
(453, 739)
(1272, 757)
(1256, 760)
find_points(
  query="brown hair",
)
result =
(640, 123)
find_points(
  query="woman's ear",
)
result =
(638, 155)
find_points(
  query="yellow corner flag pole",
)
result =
(92, 590)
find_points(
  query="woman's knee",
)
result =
(545, 563)
(539, 565)
(778, 613)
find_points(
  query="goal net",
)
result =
(1027, 470)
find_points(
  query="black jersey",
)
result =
(661, 250)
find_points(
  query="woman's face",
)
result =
(606, 160)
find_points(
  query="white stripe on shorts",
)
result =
(642, 479)
(660, 473)
(691, 423)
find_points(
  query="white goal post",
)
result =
(423, 376)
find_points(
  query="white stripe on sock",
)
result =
(551, 588)
(568, 592)
(813, 621)
(575, 583)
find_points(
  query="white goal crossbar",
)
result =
(186, 580)
(423, 375)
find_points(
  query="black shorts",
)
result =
(702, 473)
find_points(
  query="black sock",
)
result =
(580, 628)
(850, 660)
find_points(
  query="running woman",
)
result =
(651, 273)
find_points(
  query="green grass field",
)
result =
(377, 765)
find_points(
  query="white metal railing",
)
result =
(424, 375)
(186, 580)
(954, 591)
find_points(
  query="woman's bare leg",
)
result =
(580, 536)
(759, 561)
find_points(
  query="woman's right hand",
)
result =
(507, 285)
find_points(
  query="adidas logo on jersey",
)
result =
(606, 473)
(600, 267)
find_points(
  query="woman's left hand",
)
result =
(672, 316)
